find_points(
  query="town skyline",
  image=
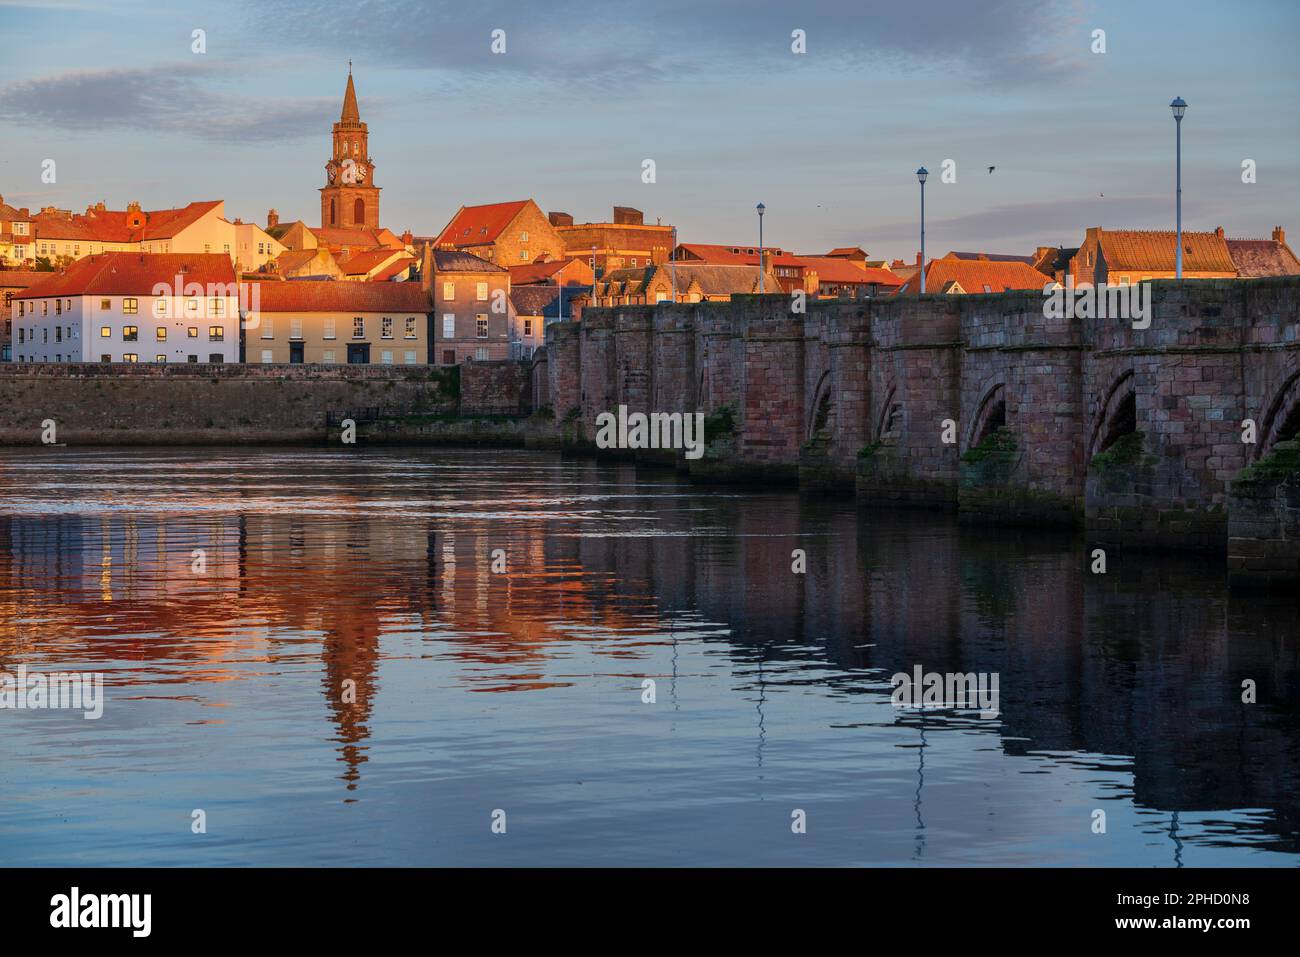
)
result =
(237, 124)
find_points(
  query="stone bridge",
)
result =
(1178, 435)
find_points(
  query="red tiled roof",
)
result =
(536, 272)
(1153, 250)
(479, 224)
(394, 269)
(111, 226)
(844, 271)
(22, 278)
(134, 274)
(360, 263)
(360, 238)
(310, 295)
(1254, 258)
(974, 274)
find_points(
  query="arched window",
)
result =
(359, 212)
(333, 213)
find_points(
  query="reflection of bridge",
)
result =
(981, 403)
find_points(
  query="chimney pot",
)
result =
(1279, 234)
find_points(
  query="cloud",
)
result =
(167, 98)
(624, 41)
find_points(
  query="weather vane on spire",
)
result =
(349, 66)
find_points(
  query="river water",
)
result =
(324, 653)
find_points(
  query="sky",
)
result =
(711, 90)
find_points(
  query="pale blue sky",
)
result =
(709, 89)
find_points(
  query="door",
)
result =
(358, 353)
(295, 352)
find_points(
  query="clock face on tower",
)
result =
(359, 173)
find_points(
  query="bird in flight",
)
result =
(992, 168)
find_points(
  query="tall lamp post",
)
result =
(1179, 106)
(921, 174)
(761, 210)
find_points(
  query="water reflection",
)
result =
(316, 643)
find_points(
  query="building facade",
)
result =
(131, 307)
(471, 306)
(507, 234)
(332, 322)
(625, 242)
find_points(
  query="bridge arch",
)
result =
(1282, 420)
(890, 418)
(990, 415)
(1117, 416)
(820, 413)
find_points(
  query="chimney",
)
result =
(918, 258)
(1218, 231)
(272, 219)
(627, 216)
(426, 268)
(1279, 234)
(407, 238)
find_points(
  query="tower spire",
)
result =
(350, 112)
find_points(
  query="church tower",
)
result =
(351, 199)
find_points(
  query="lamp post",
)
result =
(761, 210)
(921, 174)
(1179, 106)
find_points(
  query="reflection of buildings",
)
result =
(1140, 662)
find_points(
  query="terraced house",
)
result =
(332, 322)
(130, 307)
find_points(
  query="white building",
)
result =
(130, 307)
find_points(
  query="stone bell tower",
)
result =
(351, 199)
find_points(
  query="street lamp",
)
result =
(921, 174)
(761, 210)
(1179, 106)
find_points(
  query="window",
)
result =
(448, 325)
(410, 357)
(216, 358)
(58, 307)
(448, 291)
(58, 333)
(523, 255)
(481, 292)
(130, 357)
(528, 327)
(105, 358)
(329, 328)
(216, 307)
(268, 327)
(161, 333)
(295, 328)
(130, 306)
(633, 261)
(327, 357)
(358, 328)
(266, 355)
(410, 327)
(191, 307)
(159, 358)
(191, 358)
(130, 333)
(449, 357)
(481, 354)
(480, 326)
(523, 237)
(216, 334)
(386, 357)
(386, 328)
(21, 332)
(192, 332)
